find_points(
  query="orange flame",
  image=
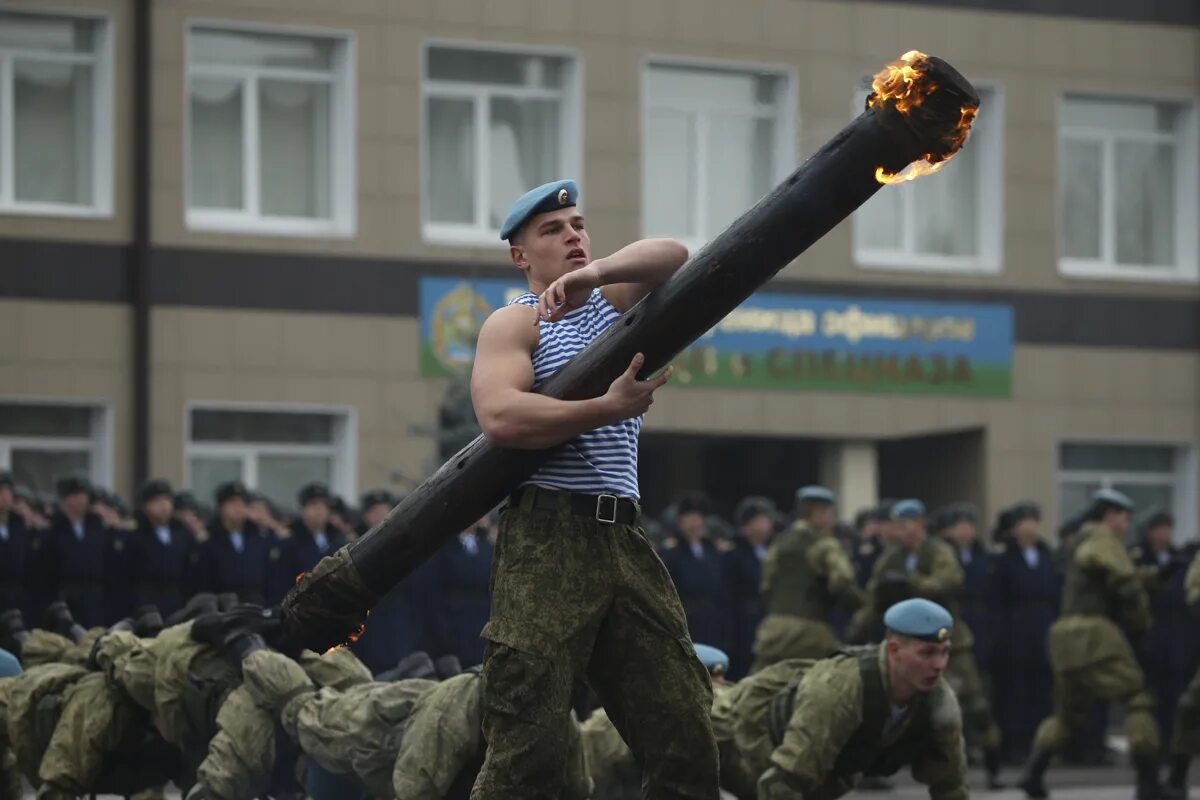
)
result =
(300, 576)
(351, 639)
(903, 83)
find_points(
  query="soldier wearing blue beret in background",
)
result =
(919, 565)
(1090, 652)
(804, 729)
(577, 590)
(806, 574)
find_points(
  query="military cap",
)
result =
(186, 501)
(313, 492)
(377, 497)
(714, 660)
(1026, 509)
(1113, 498)
(908, 509)
(229, 490)
(337, 505)
(692, 503)
(815, 493)
(23, 492)
(547, 197)
(920, 619)
(1156, 518)
(751, 507)
(155, 487)
(6, 479)
(10, 667)
(73, 484)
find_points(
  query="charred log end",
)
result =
(328, 606)
(936, 126)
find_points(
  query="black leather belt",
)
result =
(606, 508)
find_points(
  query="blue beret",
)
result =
(1113, 498)
(816, 493)
(920, 619)
(908, 509)
(9, 666)
(547, 197)
(712, 658)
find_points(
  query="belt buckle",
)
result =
(611, 518)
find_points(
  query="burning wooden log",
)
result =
(917, 116)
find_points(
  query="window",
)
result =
(1154, 476)
(276, 451)
(949, 221)
(270, 132)
(55, 114)
(714, 141)
(1127, 188)
(497, 124)
(41, 442)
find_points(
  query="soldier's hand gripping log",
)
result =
(917, 117)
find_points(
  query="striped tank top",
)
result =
(602, 461)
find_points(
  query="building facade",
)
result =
(317, 171)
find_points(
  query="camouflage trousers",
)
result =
(783, 636)
(1186, 737)
(575, 598)
(962, 673)
(1115, 678)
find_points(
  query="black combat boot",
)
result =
(218, 630)
(58, 619)
(991, 764)
(413, 665)
(1148, 786)
(197, 604)
(12, 631)
(147, 621)
(448, 666)
(1033, 781)
(227, 601)
(1177, 780)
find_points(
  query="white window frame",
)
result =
(1185, 475)
(990, 186)
(342, 134)
(102, 118)
(1186, 268)
(570, 121)
(99, 443)
(785, 155)
(343, 452)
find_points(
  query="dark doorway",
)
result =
(936, 469)
(726, 468)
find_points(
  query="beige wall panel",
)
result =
(73, 351)
(829, 44)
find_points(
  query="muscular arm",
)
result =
(637, 269)
(509, 412)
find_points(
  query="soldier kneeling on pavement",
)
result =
(809, 729)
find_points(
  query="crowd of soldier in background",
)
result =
(104, 560)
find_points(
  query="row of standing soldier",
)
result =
(104, 570)
(1008, 595)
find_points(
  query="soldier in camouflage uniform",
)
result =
(1090, 656)
(577, 590)
(1185, 741)
(413, 739)
(808, 729)
(805, 574)
(612, 768)
(920, 565)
